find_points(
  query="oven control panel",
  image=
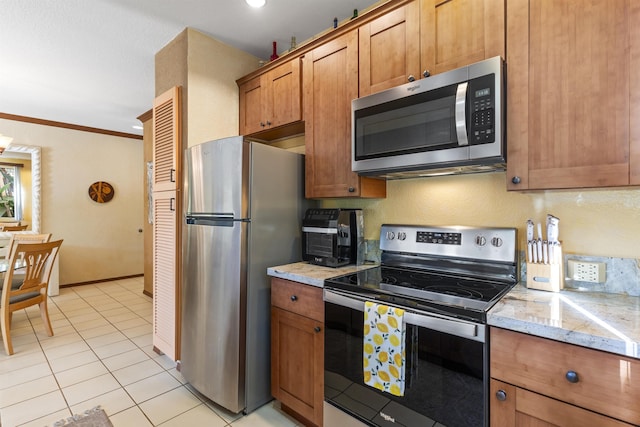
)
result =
(438, 237)
(492, 244)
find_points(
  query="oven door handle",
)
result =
(456, 327)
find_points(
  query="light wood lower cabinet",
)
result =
(537, 382)
(297, 349)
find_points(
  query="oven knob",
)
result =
(497, 242)
(481, 240)
(402, 235)
(391, 235)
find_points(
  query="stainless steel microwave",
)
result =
(448, 123)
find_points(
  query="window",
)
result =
(10, 192)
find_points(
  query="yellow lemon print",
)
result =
(382, 309)
(365, 362)
(382, 327)
(383, 356)
(367, 376)
(392, 322)
(366, 315)
(368, 348)
(399, 312)
(393, 371)
(395, 390)
(378, 339)
(367, 329)
(398, 359)
(379, 386)
(384, 376)
(394, 340)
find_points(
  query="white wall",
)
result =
(101, 241)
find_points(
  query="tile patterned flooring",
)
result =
(101, 354)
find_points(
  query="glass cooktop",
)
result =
(449, 294)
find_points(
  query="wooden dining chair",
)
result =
(13, 227)
(37, 261)
(25, 238)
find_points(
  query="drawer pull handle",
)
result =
(294, 298)
(317, 329)
(572, 377)
(501, 395)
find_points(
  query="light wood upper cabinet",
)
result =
(389, 49)
(573, 94)
(541, 382)
(272, 99)
(251, 120)
(330, 83)
(454, 33)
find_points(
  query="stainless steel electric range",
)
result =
(446, 279)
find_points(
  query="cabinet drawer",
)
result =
(605, 382)
(298, 298)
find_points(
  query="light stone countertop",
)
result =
(601, 321)
(311, 274)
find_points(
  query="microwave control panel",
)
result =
(482, 98)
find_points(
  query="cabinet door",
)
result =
(251, 106)
(513, 406)
(570, 64)
(167, 137)
(330, 83)
(283, 103)
(455, 33)
(297, 363)
(389, 49)
(166, 273)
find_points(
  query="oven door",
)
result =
(446, 371)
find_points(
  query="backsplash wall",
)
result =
(592, 222)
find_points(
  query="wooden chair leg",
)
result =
(44, 313)
(5, 325)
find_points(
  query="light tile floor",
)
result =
(101, 354)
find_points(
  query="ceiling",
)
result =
(91, 63)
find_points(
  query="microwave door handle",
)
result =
(461, 116)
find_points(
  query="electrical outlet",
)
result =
(586, 271)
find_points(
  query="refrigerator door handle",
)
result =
(221, 220)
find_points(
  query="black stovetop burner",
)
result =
(454, 271)
(448, 294)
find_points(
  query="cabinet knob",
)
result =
(572, 376)
(426, 73)
(411, 78)
(317, 329)
(516, 180)
(501, 395)
(294, 298)
(268, 123)
(262, 124)
(352, 190)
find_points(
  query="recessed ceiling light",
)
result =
(137, 127)
(256, 3)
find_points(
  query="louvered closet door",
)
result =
(166, 292)
(167, 132)
(167, 208)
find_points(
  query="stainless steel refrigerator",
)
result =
(243, 212)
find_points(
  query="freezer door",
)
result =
(217, 177)
(214, 313)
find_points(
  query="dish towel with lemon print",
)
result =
(384, 357)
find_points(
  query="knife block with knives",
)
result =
(546, 277)
(545, 263)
